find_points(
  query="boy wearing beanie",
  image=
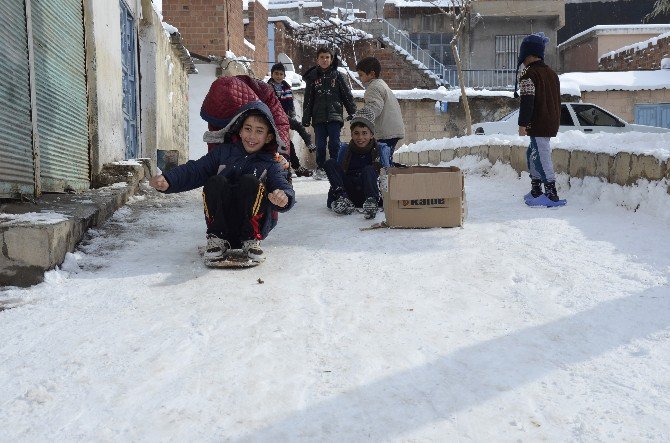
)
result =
(539, 117)
(284, 94)
(353, 176)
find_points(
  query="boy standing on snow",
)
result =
(379, 98)
(539, 117)
(353, 176)
(326, 93)
(285, 96)
(243, 185)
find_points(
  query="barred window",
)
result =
(507, 50)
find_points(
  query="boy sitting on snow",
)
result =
(353, 176)
(243, 184)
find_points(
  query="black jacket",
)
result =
(326, 94)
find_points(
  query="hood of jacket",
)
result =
(233, 127)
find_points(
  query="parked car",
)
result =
(585, 117)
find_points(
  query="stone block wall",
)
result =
(621, 168)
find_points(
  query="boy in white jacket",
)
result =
(380, 100)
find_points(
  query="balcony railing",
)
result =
(481, 78)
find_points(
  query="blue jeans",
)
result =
(331, 132)
(391, 142)
(538, 156)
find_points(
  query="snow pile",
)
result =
(635, 46)
(614, 81)
(33, 218)
(656, 145)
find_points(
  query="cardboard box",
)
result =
(423, 197)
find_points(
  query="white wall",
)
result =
(103, 34)
(198, 87)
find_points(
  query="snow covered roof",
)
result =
(637, 46)
(421, 3)
(616, 81)
(290, 4)
(245, 3)
(618, 29)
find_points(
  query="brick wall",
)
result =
(257, 33)
(631, 60)
(211, 27)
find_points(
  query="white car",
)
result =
(584, 117)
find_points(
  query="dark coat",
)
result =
(540, 106)
(326, 93)
(232, 161)
(284, 94)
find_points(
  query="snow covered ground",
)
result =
(524, 325)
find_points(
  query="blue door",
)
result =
(653, 115)
(128, 58)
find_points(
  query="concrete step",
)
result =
(35, 236)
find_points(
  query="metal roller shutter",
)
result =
(16, 150)
(60, 80)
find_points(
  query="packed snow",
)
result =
(524, 325)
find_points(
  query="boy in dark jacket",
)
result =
(285, 96)
(244, 185)
(326, 93)
(353, 176)
(539, 117)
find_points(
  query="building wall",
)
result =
(164, 88)
(647, 58)
(209, 27)
(580, 57)
(300, 15)
(257, 31)
(103, 62)
(622, 103)
(483, 34)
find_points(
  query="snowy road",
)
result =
(525, 325)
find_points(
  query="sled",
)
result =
(542, 201)
(234, 258)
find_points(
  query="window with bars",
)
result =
(507, 50)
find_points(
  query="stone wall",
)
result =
(623, 168)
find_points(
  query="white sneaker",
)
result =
(253, 250)
(216, 248)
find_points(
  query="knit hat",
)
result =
(531, 45)
(365, 116)
(278, 67)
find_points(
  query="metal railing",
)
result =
(481, 78)
(400, 39)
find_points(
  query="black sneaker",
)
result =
(343, 206)
(253, 250)
(370, 207)
(216, 248)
